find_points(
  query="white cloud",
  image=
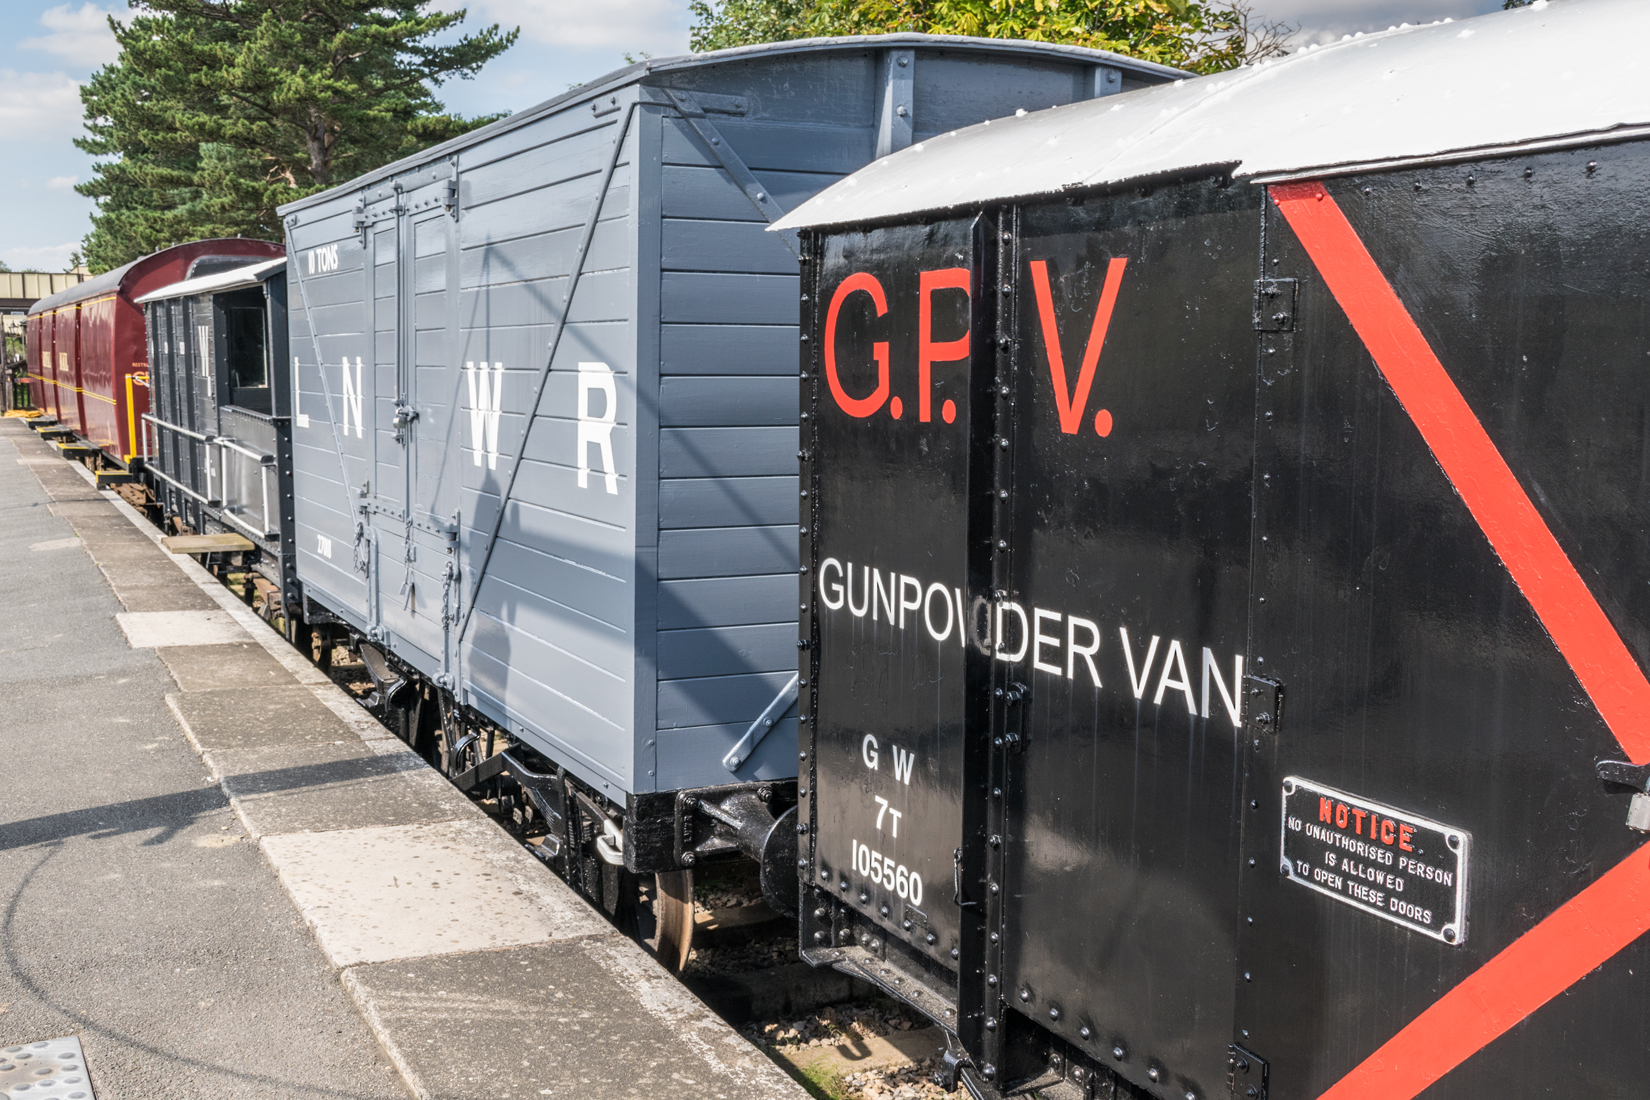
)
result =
(80, 36)
(38, 105)
(657, 27)
(51, 257)
(62, 183)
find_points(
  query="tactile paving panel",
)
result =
(51, 1070)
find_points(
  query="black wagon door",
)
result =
(1450, 589)
(1122, 546)
(889, 408)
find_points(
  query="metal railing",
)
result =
(266, 462)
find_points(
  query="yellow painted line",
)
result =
(131, 415)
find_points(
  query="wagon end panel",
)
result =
(737, 142)
(1449, 589)
(328, 297)
(543, 382)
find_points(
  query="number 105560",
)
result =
(883, 871)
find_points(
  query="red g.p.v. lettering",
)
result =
(1071, 407)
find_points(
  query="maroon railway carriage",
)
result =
(87, 358)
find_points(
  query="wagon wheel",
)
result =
(673, 913)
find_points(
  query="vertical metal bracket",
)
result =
(895, 121)
(693, 114)
(1246, 1074)
(1104, 80)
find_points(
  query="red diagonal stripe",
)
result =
(1538, 966)
(1615, 910)
(1566, 607)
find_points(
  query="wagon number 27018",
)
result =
(885, 872)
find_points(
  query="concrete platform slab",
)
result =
(153, 629)
(167, 597)
(327, 787)
(235, 665)
(126, 572)
(108, 548)
(371, 895)
(245, 718)
(588, 1020)
(136, 916)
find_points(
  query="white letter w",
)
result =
(486, 402)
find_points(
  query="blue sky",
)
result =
(48, 47)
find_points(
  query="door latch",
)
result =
(1636, 776)
(1275, 305)
(1262, 704)
(404, 417)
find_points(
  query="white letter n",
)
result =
(352, 397)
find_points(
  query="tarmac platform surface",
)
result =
(228, 880)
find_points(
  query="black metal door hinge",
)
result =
(1014, 716)
(1262, 704)
(1275, 305)
(1246, 1074)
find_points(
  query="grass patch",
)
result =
(822, 1082)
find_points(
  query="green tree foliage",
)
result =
(1192, 34)
(218, 111)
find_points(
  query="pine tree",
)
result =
(218, 111)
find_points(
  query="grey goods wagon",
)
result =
(578, 311)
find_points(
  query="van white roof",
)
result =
(219, 281)
(1527, 78)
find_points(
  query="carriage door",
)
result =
(413, 333)
(1118, 624)
(183, 453)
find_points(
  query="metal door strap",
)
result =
(623, 128)
(758, 195)
(764, 722)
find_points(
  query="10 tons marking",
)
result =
(883, 871)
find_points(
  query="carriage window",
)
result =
(246, 357)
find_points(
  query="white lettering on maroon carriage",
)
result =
(1055, 642)
(597, 430)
